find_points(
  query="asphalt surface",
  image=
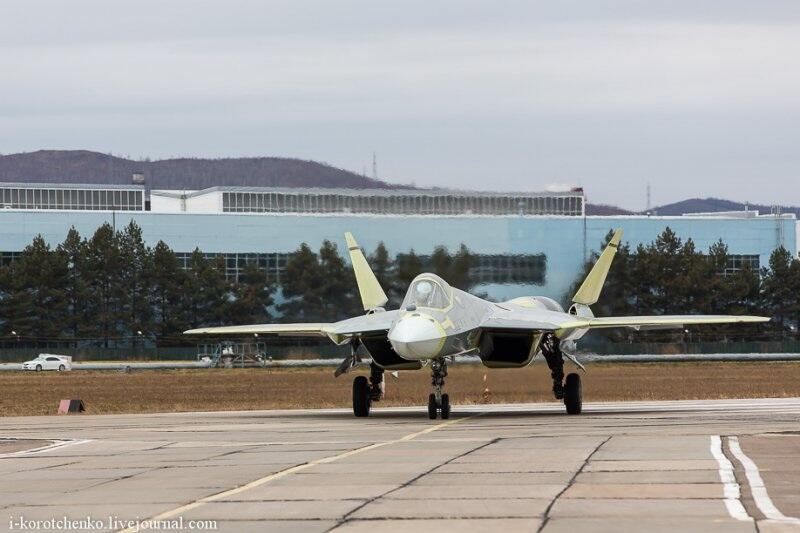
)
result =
(731, 465)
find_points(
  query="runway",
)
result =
(728, 465)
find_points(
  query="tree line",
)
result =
(672, 276)
(112, 289)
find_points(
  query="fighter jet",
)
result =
(436, 324)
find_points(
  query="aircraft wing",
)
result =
(336, 331)
(372, 323)
(561, 322)
(669, 321)
(289, 330)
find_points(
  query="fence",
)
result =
(323, 351)
(170, 353)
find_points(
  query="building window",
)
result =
(422, 204)
(736, 263)
(35, 198)
(9, 257)
(272, 264)
(522, 269)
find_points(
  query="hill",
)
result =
(605, 210)
(715, 205)
(82, 166)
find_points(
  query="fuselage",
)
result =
(436, 320)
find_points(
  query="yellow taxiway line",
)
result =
(292, 470)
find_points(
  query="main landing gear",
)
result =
(438, 402)
(366, 391)
(569, 390)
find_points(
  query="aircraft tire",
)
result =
(445, 406)
(361, 401)
(432, 407)
(572, 394)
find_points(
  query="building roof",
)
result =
(87, 186)
(369, 192)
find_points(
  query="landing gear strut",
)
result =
(377, 384)
(569, 391)
(367, 391)
(438, 402)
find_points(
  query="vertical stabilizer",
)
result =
(590, 289)
(372, 294)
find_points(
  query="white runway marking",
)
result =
(730, 486)
(283, 473)
(757, 488)
(55, 445)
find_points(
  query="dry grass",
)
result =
(238, 389)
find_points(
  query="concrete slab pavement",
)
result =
(634, 466)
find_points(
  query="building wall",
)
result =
(566, 241)
(205, 203)
(165, 203)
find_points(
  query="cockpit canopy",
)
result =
(428, 290)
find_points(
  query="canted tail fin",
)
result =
(591, 287)
(372, 294)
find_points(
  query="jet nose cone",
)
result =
(417, 337)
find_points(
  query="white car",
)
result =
(49, 362)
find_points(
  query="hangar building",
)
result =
(524, 243)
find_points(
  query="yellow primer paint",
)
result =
(372, 294)
(447, 323)
(590, 289)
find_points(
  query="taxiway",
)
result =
(729, 465)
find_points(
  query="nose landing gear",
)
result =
(438, 403)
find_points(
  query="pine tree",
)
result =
(16, 306)
(134, 279)
(207, 291)
(719, 288)
(167, 294)
(35, 306)
(75, 285)
(252, 297)
(338, 293)
(104, 264)
(459, 273)
(666, 274)
(440, 262)
(302, 281)
(409, 266)
(384, 270)
(778, 294)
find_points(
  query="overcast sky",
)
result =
(697, 98)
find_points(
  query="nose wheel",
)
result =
(438, 403)
(435, 408)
